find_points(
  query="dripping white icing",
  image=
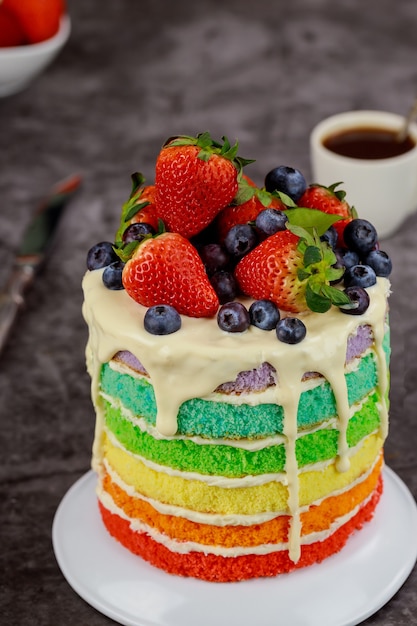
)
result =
(194, 361)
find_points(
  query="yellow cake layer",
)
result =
(247, 500)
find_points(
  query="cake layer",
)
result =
(316, 518)
(190, 364)
(263, 376)
(221, 419)
(249, 495)
(231, 460)
(218, 568)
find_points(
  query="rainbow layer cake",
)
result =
(240, 412)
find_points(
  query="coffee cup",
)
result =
(380, 180)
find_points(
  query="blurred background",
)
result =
(131, 75)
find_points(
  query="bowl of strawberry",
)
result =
(203, 240)
(32, 33)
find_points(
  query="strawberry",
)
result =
(147, 212)
(167, 269)
(195, 178)
(329, 200)
(248, 210)
(293, 268)
(39, 19)
(11, 33)
(140, 207)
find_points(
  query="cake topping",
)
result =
(162, 319)
(195, 177)
(166, 269)
(205, 235)
(286, 179)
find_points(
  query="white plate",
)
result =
(342, 591)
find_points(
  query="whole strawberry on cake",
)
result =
(238, 349)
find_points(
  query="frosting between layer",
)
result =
(200, 357)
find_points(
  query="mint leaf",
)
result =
(336, 296)
(315, 301)
(301, 232)
(289, 202)
(312, 219)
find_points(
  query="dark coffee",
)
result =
(368, 143)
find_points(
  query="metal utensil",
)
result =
(403, 132)
(33, 251)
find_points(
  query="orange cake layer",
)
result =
(317, 518)
(216, 568)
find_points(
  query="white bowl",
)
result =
(20, 65)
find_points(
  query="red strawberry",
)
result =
(167, 269)
(195, 178)
(293, 271)
(270, 272)
(329, 200)
(246, 212)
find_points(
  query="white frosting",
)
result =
(216, 519)
(194, 361)
(251, 445)
(185, 547)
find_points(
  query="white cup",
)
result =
(383, 191)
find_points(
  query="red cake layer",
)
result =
(216, 568)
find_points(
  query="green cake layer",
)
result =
(223, 420)
(224, 460)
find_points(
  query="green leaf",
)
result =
(315, 301)
(312, 255)
(289, 202)
(311, 219)
(138, 180)
(301, 232)
(336, 296)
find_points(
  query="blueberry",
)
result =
(225, 286)
(360, 235)
(346, 258)
(112, 275)
(162, 319)
(286, 179)
(330, 237)
(264, 314)
(214, 257)
(291, 330)
(101, 255)
(380, 262)
(359, 276)
(233, 317)
(137, 232)
(240, 240)
(270, 221)
(359, 298)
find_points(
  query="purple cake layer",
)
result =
(264, 376)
